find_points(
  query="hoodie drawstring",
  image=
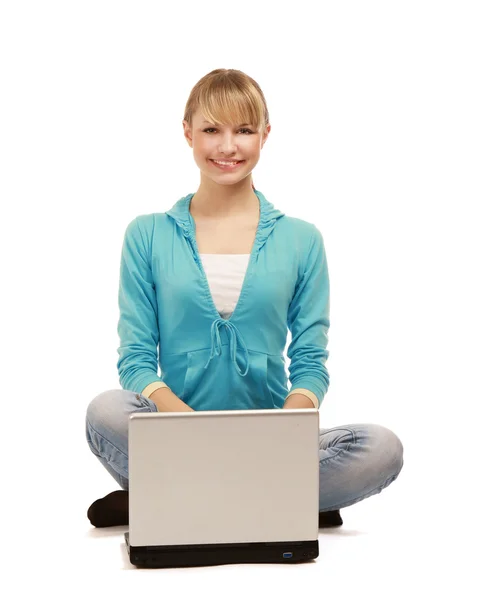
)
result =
(216, 343)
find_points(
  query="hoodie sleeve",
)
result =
(137, 327)
(309, 321)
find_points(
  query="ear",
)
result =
(265, 134)
(187, 132)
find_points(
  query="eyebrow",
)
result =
(242, 125)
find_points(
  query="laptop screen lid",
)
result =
(223, 477)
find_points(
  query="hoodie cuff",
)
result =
(152, 387)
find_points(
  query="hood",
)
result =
(269, 215)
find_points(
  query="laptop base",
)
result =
(197, 555)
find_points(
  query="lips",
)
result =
(227, 168)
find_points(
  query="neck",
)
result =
(213, 200)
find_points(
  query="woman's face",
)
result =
(224, 142)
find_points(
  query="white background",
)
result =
(376, 135)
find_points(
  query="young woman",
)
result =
(215, 282)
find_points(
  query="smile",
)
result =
(226, 165)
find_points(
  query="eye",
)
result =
(213, 129)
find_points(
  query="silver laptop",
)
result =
(220, 487)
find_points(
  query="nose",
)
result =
(227, 145)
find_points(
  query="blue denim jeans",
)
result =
(356, 461)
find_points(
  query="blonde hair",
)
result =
(227, 96)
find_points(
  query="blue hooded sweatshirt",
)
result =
(168, 318)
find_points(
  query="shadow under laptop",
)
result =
(103, 532)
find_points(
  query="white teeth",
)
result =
(226, 163)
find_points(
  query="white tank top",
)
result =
(225, 274)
